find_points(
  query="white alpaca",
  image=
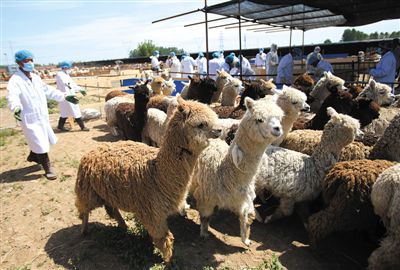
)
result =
(223, 176)
(185, 89)
(110, 108)
(230, 92)
(296, 177)
(222, 78)
(169, 87)
(292, 102)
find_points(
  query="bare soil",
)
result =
(40, 229)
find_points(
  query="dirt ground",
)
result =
(40, 228)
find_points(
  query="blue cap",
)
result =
(156, 53)
(65, 64)
(215, 55)
(261, 49)
(232, 53)
(172, 54)
(201, 54)
(229, 59)
(22, 55)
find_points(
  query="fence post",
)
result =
(98, 89)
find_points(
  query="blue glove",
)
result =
(72, 99)
(17, 114)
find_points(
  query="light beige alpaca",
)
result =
(110, 108)
(320, 90)
(157, 85)
(230, 91)
(150, 182)
(292, 102)
(222, 78)
(223, 176)
(169, 87)
(295, 177)
(385, 197)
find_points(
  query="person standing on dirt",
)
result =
(66, 85)
(26, 98)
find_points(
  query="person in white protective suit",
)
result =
(188, 64)
(271, 62)
(66, 85)
(27, 100)
(385, 71)
(215, 64)
(155, 64)
(314, 54)
(285, 67)
(320, 66)
(175, 65)
(201, 64)
(260, 58)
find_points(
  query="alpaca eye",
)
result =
(260, 120)
(201, 126)
(294, 103)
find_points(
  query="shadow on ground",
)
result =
(29, 173)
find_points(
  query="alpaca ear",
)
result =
(190, 77)
(331, 112)
(147, 81)
(270, 80)
(284, 87)
(372, 83)
(326, 75)
(182, 107)
(262, 81)
(249, 102)
(218, 71)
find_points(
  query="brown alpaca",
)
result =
(157, 85)
(114, 93)
(148, 181)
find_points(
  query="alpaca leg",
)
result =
(286, 207)
(323, 223)
(163, 240)
(115, 214)
(184, 206)
(85, 220)
(246, 219)
(205, 214)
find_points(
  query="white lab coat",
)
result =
(271, 64)
(260, 59)
(67, 108)
(214, 65)
(155, 64)
(202, 65)
(285, 70)
(188, 64)
(30, 96)
(385, 71)
(175, 67)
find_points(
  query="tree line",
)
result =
(147, 47)
(355, 35)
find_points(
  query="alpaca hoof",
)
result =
(247, 242)
(268, 219)
(258, 217)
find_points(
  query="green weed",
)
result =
(3, 102)
(5, 133)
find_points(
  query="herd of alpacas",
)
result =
(331, 148)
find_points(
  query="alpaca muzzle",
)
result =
(215, 133)
(276, 131)
(306, 108)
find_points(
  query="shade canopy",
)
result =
(306, 15)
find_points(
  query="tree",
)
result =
(353, 35)
(327, 41)
(147, 47)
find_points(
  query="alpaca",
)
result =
(131, 119)
(169, 87)
(292, 102)
(222, 78)
(160, 102)
(110, 108)
(305, 141)
(230, 91)
(201, 89)
(223, 176)
(378, 92)
(320, 90)
(388, 146)
(254, 90)
(157, 85)
(156, 124)
(304, 83)
(145, 180)
(385, 197)
(346, 192)
(295, 177)
(114, 93)
(185, 90)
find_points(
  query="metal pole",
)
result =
(206, 18)
(302, 51)
(178, 15)
(240, 41)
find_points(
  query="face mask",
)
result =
(68, 71)
(28, 66)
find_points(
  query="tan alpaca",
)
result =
(222, 78)
(224, 174)
(150, 182)
(230, 91)
(157, 85)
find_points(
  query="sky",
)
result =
(97, 30)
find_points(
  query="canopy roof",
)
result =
(309, 14)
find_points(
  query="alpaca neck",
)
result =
(287, 123)
(251, 152)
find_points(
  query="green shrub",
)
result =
(5, 133)
(3, 102)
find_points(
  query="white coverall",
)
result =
(175, 66)
(385, 71)
(271, 64)
(214, 65)
(260, 59)
(188, 64)
(285, 70)
(67, 108)
(202, 65)
(30, 96)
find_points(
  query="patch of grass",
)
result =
(271, 264)
(52, 105)
(5, 134)
(3, 102)
(17, 187)
(64, 177)
(72, 163)
(24, 267)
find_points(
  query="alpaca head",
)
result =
(292, 101)
(262, 121)
(223, 76)
(235, 84)
(168, 87)
(267, 87)
(328, 83)
(304, 83)
(142, 93)
(191, 125)
(378, 92)
(340, 130)
(157, 84)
